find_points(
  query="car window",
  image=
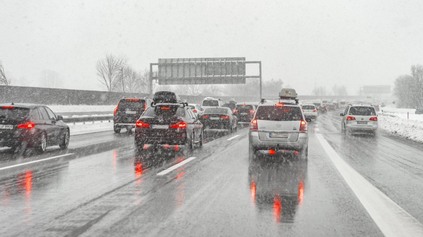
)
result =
(286, 113)
(210, 103)
(362, 110)
(50, 113)
(131, 105)
(14, 114)
(43, 113)
(35, 114)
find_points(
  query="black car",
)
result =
(32, 125)
(245, 113)
(127, 112)
(170, 126)
(219, 119)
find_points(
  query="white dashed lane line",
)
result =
(36, 161)
(232, 137)
(174, 167)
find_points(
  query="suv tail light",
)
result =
(115, 111)
(303, 126)
(225, 117)
(27, 125)
(251, 111)
(142, 124)
(205, 116)
(350, 118)
(373, 119)
(180, 125)
(254, 125)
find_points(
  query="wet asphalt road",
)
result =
(110, 191)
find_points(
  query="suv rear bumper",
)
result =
(363, 128)
(258, 144)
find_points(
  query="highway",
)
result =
(350, 186)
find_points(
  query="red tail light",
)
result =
(8, 107)
(350, 118)
(225, 117)
(314, 110)
(165, 108)
(251, 111)
(303, 126)
(272, 152)
(142, 124)
(254, 125)
(235, 111)
(373, 119)
(115, 111)
(279, 105)
(27, 125)
(180, 125)
(205, 117)
(194, 110)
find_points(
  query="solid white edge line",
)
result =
(391, 219)
(232, 137)
(174, 167)
(36, 161)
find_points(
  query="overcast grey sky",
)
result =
(306, 43)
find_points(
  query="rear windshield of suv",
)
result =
(174, 111)
(286, 113)
(17, 114)
(244, 107)
(308, 107)
(131, 105)
(210, 103)
(216, 111)
(362, 110)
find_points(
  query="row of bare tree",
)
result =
(409, 88)
(116, 75)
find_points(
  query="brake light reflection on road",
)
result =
(300, 192)
(253, 191)
(277, 208)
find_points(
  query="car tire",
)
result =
(64, 142)
(116, 129)
(42, 143)
(191, 143)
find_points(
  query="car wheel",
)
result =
(64, 143)
(42, 146)
(116, 129)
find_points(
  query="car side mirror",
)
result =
(341, 114)
(59, 117)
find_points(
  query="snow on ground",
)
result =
(394, 121)
(90, 127)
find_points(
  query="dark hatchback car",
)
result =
(245, 113)
(127, 112)
(169, 126)
(219, 119)
(32, 125)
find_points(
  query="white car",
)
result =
(359, 119)
(310, 111)
(196, 109)
(210, 102)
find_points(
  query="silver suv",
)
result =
(279, 127)
(359, 119)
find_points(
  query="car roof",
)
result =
(308, 105)
(273, 102)
(361, 105)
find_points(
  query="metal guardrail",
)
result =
(88, 119)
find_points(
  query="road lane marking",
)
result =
(232, 137)
(174, 167)
(391, 219)
(36, 161)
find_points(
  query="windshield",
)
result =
(364, 111)
(286, 113)
(313, 127)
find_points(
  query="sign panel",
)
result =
(177, 71)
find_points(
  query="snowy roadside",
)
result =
(98, 126)
(395, 122)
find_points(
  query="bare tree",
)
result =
(110, 70)
(3, 78)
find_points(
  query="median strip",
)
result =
(172, 168)
(35, 161)
(391, 219)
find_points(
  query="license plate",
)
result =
(214, 118)
(160, 126)
(244, 113)
(131, 112)
(361, 122)
(2, 126)
(278, 135)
